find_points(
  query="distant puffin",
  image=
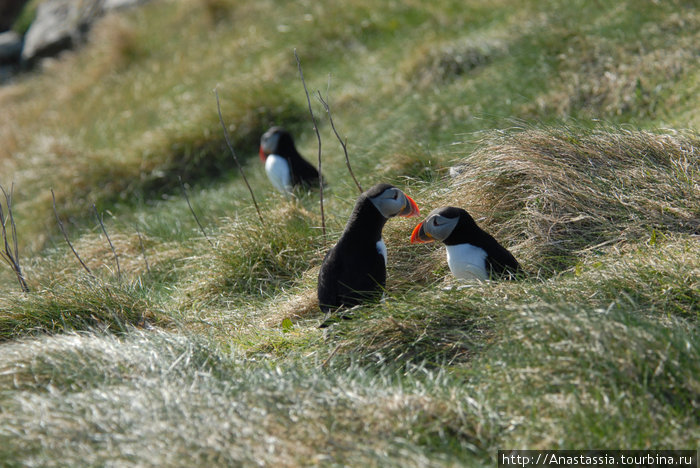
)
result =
(354, 270)
(284, 165)
(472, 253)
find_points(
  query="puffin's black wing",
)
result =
(302, 171)
(500, 262)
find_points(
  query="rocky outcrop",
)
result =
(62, 24)
(10, 47)
(10, 50)
(109, 5)
(59, 25)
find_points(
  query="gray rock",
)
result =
(10, 47)
(109, 5)
(59, 25)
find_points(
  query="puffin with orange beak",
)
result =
(472, 253)
(284, 165)
(354, 270)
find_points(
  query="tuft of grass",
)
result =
(662, 278)
(579, 375)
(439, 64)
(85, 305)
(254, 413)
(603, 70)
(251, 259)
(551, 193)
(430, 328)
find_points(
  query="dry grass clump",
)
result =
(660, 276)
(59, 266)
(579, 366)
(601, 76)
(157, 399)
(95, 251)
(432, 327)
(437, 64)
(252, 259)
(549, 194)
(85, 305)
(295, 307)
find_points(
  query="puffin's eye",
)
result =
(396, 195)
(435, 223)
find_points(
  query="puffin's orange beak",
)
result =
(411, 209)
(419, 236)
(263, 157)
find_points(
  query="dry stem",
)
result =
(65, 236)
(235, 158)
(342, 143)
(201, 228)
(318, 136)
(11, 256)
(109, 241)
(143, 250)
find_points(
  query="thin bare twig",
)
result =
(318, 136)
(65, 236)
(201, 228)
(143, 250)
(235, 158)
(344, 144)
(11, 256)
(109, 241)
(328, 359)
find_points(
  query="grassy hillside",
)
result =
(567, 129)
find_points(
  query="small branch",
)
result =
(342, 143)
(10, 256)
(109, 241)
(235, 158)
(201, 228)
(65, 236)
(318, 136)
(328, 359)
(143, 250)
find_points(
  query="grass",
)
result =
(569, 132)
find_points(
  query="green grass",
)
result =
(573, 133)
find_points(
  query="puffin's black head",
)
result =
(441, 224)
(390, 201)
(276, 140)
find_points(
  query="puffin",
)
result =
(472, 253)
(354, 269)
(284, 165)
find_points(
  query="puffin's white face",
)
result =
(268, 142)
(435, 227)
(392, 202)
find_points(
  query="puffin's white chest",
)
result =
(467, 262)
(277, 169)
(381, 248)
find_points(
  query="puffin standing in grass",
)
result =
(354, 270)
(472, 253)
(284, 165)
